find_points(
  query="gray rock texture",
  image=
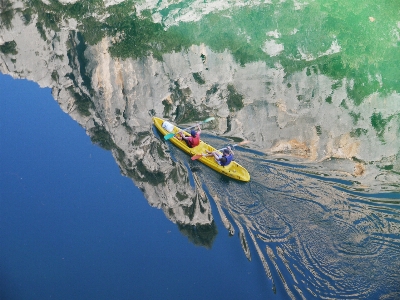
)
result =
(299, 115)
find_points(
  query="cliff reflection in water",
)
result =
(320, 105)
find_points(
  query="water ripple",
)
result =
(313, 239)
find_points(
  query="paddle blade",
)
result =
(197, 156)
(233, 146)
(208, 119)
(168, 136)
(242, 143)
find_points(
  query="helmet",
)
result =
(193, 133)
(226, 151)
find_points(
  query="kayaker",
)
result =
(223, 159)
(194, 139)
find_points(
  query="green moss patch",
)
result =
(9, 48)
(100, 136)
(234, 99)
(198, 78)
(358, 132)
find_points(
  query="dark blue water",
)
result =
(71, 227)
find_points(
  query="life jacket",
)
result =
(229, 158)
(193, 141)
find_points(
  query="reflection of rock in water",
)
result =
(200, 235)
(98, 95)
(314, 238)
(295, 113)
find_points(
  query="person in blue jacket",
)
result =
(223, 159)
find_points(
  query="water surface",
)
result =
(73, 227)
(314, 87)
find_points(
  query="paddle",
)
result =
(197, 156)
(170, 135)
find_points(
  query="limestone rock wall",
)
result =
(304, 114)
(60, 63)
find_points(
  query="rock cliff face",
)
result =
(303, 114)
(299, 115)
(93, 90)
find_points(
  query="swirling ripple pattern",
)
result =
(315, 238)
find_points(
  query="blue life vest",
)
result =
(229, 158)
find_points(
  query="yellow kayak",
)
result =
(233, 170)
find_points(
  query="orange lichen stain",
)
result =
(119, 80)
(292, 147)
(168, 98)
(359, 169)
(347, 147)
(343, 147)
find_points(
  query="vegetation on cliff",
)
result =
(340, 40)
